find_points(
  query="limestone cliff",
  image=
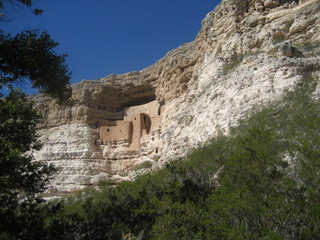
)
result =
(247, 53)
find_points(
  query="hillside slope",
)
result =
(261, 181)
(247, 53)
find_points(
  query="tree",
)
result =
(20, 177)
(30, 55)
(27, 56)
(17, 3)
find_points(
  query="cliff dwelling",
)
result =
(138, 121)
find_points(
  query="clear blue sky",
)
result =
(102, 37)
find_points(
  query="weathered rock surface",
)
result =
(248, 52)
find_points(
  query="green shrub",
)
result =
(234, 63)
(269, 187)
(144, 165)
(311, 48)
(310, 45)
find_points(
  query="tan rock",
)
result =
(247, 53)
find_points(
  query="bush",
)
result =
(268, 186)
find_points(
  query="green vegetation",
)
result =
(235, 62)
(16, 3)
(278, 38)
(20, 178)
(268, 187)
(310, 45)
(30, 55)
(144, 165)
(310, 48)
(27, 56)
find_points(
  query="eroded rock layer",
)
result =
(248, 52)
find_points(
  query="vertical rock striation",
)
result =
(248, 52)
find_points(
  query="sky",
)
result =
(103, 37)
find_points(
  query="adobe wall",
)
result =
(138, 121)
(155, 123)
(122, 131)
(141, 126)
(151, 108)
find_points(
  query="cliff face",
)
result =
(247, 53)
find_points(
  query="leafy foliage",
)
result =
(26, 56)
(30, 55)
(17, 3)
(234, 62)
(21, 179)
(267, 187)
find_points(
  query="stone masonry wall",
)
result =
(247, 53)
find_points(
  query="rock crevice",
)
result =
(247, 53)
